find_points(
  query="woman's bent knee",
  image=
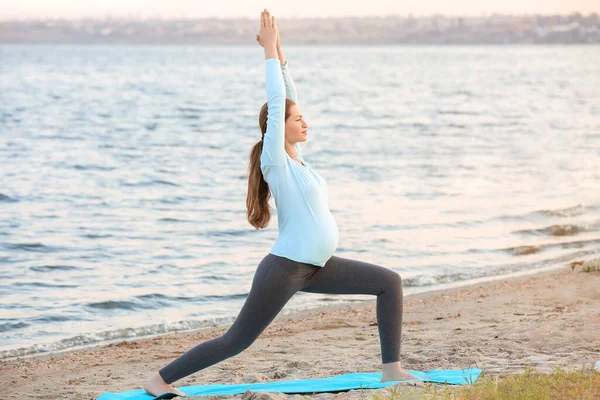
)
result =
(395, 280)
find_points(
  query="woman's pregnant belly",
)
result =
(321, 240)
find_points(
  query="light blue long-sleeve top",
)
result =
(308, 232)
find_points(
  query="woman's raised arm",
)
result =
(290, 87)
(273, 152)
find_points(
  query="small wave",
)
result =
(560, 212)
(524, 250)
(49, 268)
(162, 268)
(170, 220)
(151, 126)
(458, 112)
(150, 183)
(427, 280)
(563, 212)
(227, 233)
(115, 305)
(42, 284)
(94, 236)
(174, 200)
(190, 109)
(118, 335)
(12, 326)
(562, 229)
(55, 318)
(214, 278)
(74, 138)
(7, 199)
(161, 182)
(217, 297)
(155, 301)
(92, 167)
(39, 247)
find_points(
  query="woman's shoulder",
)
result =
(272, 171)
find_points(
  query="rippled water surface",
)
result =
(123, 175)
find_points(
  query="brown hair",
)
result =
(257, 201)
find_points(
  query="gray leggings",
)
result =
(275, 281)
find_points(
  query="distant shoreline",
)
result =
(305, 45)
(389, 30)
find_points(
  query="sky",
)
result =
(168, 9)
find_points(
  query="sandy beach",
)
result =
(544, 320)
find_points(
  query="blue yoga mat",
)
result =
(357, 380)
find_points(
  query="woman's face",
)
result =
(295, 126)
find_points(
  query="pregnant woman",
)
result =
(302, 257)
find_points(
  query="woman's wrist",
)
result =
(271, 51)
(280, 55)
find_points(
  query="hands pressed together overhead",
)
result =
(269, 33)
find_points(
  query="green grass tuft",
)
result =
(531, 385)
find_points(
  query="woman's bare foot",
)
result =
(394, 372)
(399, 376)
(156, 386)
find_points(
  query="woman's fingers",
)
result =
(268, 29)
(270, 20)
(266, 19)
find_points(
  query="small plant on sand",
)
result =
(586, 266)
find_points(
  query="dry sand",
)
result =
(544, 320)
